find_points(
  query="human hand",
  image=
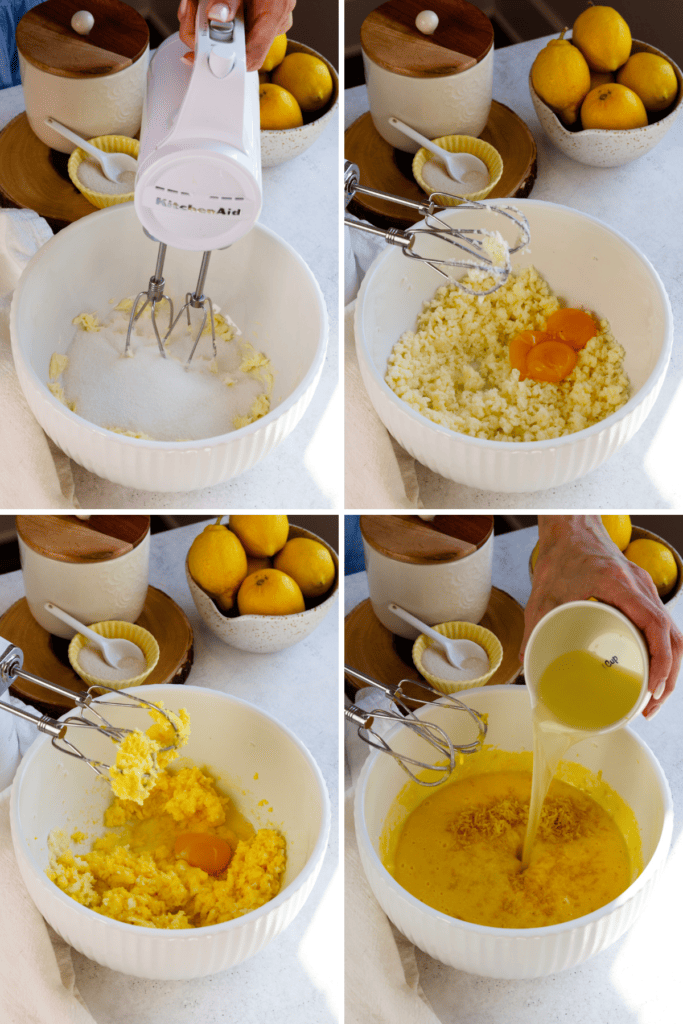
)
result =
(577, 560)
(264, 19)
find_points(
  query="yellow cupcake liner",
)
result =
(113, 629)
(108, 144)
(461, 144)
(460, 631)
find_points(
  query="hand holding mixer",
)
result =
(198, 185)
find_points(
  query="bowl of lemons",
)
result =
(261, 584)
(644, 548)
(602, 97)
(298, 94)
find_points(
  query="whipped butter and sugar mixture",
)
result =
(146, 396)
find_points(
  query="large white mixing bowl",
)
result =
(260, 763)
(260, 281)
(586, 263)
(627, 765)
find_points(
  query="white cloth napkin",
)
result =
(34, 473)
(379, 473)
(382, 978)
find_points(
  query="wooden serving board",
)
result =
(390, 170)
(371, 648)
(34, 177)
(46, 655)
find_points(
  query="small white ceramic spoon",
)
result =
(113, 651)
(114, 165)
(458, 165)
(457, 651)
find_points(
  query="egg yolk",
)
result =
(551, 361)
(208, 852)
(519, 349)
(572, 326)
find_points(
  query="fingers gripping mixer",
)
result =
(198, 185)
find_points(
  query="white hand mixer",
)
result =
(198, 185)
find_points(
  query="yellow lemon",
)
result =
(619, 530)
(603, 37)
(652, 78)
(262, 536)
(276, 53)
(307, 78)
(278, 108)
(217, 561)
(614, 107)
(270, 592)
(656, 559)
(561, 77)
(309, 563)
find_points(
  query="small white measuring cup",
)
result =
(590, 626)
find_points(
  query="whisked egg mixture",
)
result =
(147, 396)
(179, 854)
(459, 848)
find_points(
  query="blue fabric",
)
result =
(11, 13)
(354, 560)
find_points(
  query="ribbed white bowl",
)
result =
(260, 281)
(627, 765)
(585, 263)
(237, 742)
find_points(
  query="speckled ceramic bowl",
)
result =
(460, 631)
(599, 147)
(265, 634)
(111, 630)
(286, 143)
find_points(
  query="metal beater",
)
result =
(484, 248)
(198, 185)
(433, 734)
(11, 668)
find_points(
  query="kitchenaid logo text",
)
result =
(198, 209)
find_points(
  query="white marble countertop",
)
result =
(297, 977)
(301, 202)
(635, 979)
(643, 201)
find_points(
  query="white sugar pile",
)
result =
(145, 395)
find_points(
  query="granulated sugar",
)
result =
(147, 396)
(92, 176)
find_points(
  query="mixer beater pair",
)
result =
(11, 668)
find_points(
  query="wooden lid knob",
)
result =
(462, 37)
(411, 539)
(48, 40)
(69, 539)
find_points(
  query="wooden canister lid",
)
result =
(462, 38)
(70, 539)
(426, 542)
(46, 39)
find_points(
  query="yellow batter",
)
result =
(458, 850)
(163, 865)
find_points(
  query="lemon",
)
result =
(270, 592)
(656, 559)
(652, 78)
(309, 563)
(561, 77)
(278, 108)
(618, 529)
(276, 53)
(614, 107)
(307, 78)
(262, 536)
(603, 37)
(217, 562)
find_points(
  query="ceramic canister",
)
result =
(440, 571)
(95, 569)
(92, 80)
(439, 82)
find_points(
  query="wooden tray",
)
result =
(390, 170)
(46, 655)
(35, 177)
(371, 648)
